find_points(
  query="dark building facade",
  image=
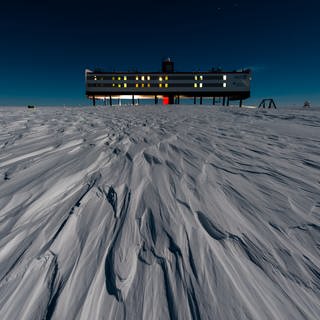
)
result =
(168, 85)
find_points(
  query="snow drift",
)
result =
(156, 212)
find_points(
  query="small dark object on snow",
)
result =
(306, 104)
(30, 107)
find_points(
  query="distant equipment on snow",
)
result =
(267, 103)
(306, 104)
(30, 107)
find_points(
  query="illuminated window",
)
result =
(119, 85)
(201, 77)
(195, 77)
(125, 85)
(148, 77)
(119, 78)
(95, 77)
(224, 85)
(195, 85)
(148, 85)
(137, 85)
(160, 78)
(200, 85)
(137, 78)
(142, 78)
(160, 85)
(142, 85)
(224, 77)
(113, 85)
(125, 78)
(166, 77)
(113, 78)
(166, 85)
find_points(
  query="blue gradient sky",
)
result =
(45, 47)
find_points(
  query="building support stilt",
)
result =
(94, 101)
(194, 100)
(155, 99)
(228, 101)
(224, 101)
(201, 100)
(213, 101)
(110, 100)
(240, 103)
(133, 99)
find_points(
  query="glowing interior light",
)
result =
(95, 78)
(137, 78)
(142, 85)
(113, 78)
(224, 77)
(119, 85)
(166, 77)
(137, 85)
(201, 77)
(200, 85)
(119, 78)
(125, 78)
(195, 77)
(113, 85)
(148, 85)
(142, 78)
(160, 85)
(166, 85)
(160, 78)
(125, 85)
(224, 85)
(148, 77)
(195, 85)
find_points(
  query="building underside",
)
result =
(172, 98)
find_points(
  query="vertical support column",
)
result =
(133, 99)
(105, 101)
(194, 100)
(138, 101)
(171, 99)
(228, 101)
(201, 100)
(118, 101)
(94, 101)
(155, 99)
(240, 103)
(224, 101)
(110, 100)
(213, 101)
(178, 99)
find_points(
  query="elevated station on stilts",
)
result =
(168, 86)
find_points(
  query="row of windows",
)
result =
(158, 78)
(125, 78)
(160, 85)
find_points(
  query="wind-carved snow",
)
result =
(159, 212)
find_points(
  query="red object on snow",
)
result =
(165, 100)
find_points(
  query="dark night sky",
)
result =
(45, 47)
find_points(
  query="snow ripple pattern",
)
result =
(156, 212)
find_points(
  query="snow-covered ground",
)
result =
(157, 212)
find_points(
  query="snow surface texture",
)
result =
(159, 212)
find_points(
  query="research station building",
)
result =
(168, 86)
